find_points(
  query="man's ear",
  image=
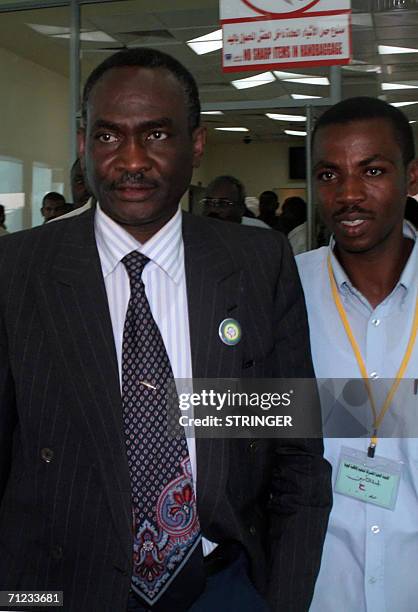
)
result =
(199, 142)
(412, 177)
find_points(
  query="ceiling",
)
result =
(167, 25)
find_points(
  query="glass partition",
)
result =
(34, 106)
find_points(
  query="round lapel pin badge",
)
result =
(230, 332)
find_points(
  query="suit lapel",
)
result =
(214, 283)
(73, 303)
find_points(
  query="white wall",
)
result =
(259, 166)
(34, 113)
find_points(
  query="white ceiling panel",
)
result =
(190, 18)
(398, 33)
(396, 18)
(124, 22)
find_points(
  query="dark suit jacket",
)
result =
(65, 514)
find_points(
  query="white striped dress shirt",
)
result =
(165, 287)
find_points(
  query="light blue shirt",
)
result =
(370, 556)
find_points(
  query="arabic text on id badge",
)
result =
(373, 481)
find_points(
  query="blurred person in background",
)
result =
(293, 213)
(293, 223)
(79, 188)
(3, 230)
(82, 198)
(269, 203)
(53, 206)
(225, 200)
(411, 211)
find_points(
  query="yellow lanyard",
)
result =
(377, 419)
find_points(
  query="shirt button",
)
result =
(375, 529)
(376, 322)
(252, 530)
(374, 375)
(372, 580)
(47, 455)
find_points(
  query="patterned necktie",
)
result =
(166, 528)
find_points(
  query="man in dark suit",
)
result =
(69, 493)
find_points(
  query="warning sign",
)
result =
(237, 9)
(305, 40)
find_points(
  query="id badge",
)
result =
(373, 481)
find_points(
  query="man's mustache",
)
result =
(135, 180)
(344, 210)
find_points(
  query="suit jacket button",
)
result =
(47, 455)
(248, 364)
(122, 570)
(252, 530)
(252, 447)
(57, 552)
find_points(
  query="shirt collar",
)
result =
(409, 273)
(165, 249)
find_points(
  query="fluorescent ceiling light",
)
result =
(388, 86)
(295, 133)
(364, 68)
(388, 50)
(95, 36)
(303, 97)
(310, 80)
(64, 32)
(211, 113)
(207, 43)
(254, 81)
(412, 121)
(280, 117)
(233, 129)
(293, 77)
(362, 20)
(399, 104)
(48, 30)
(289, 75)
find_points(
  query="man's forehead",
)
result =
(224, 189)
(334, 132)
(370, 137)
(53, 202)
(133, 83)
